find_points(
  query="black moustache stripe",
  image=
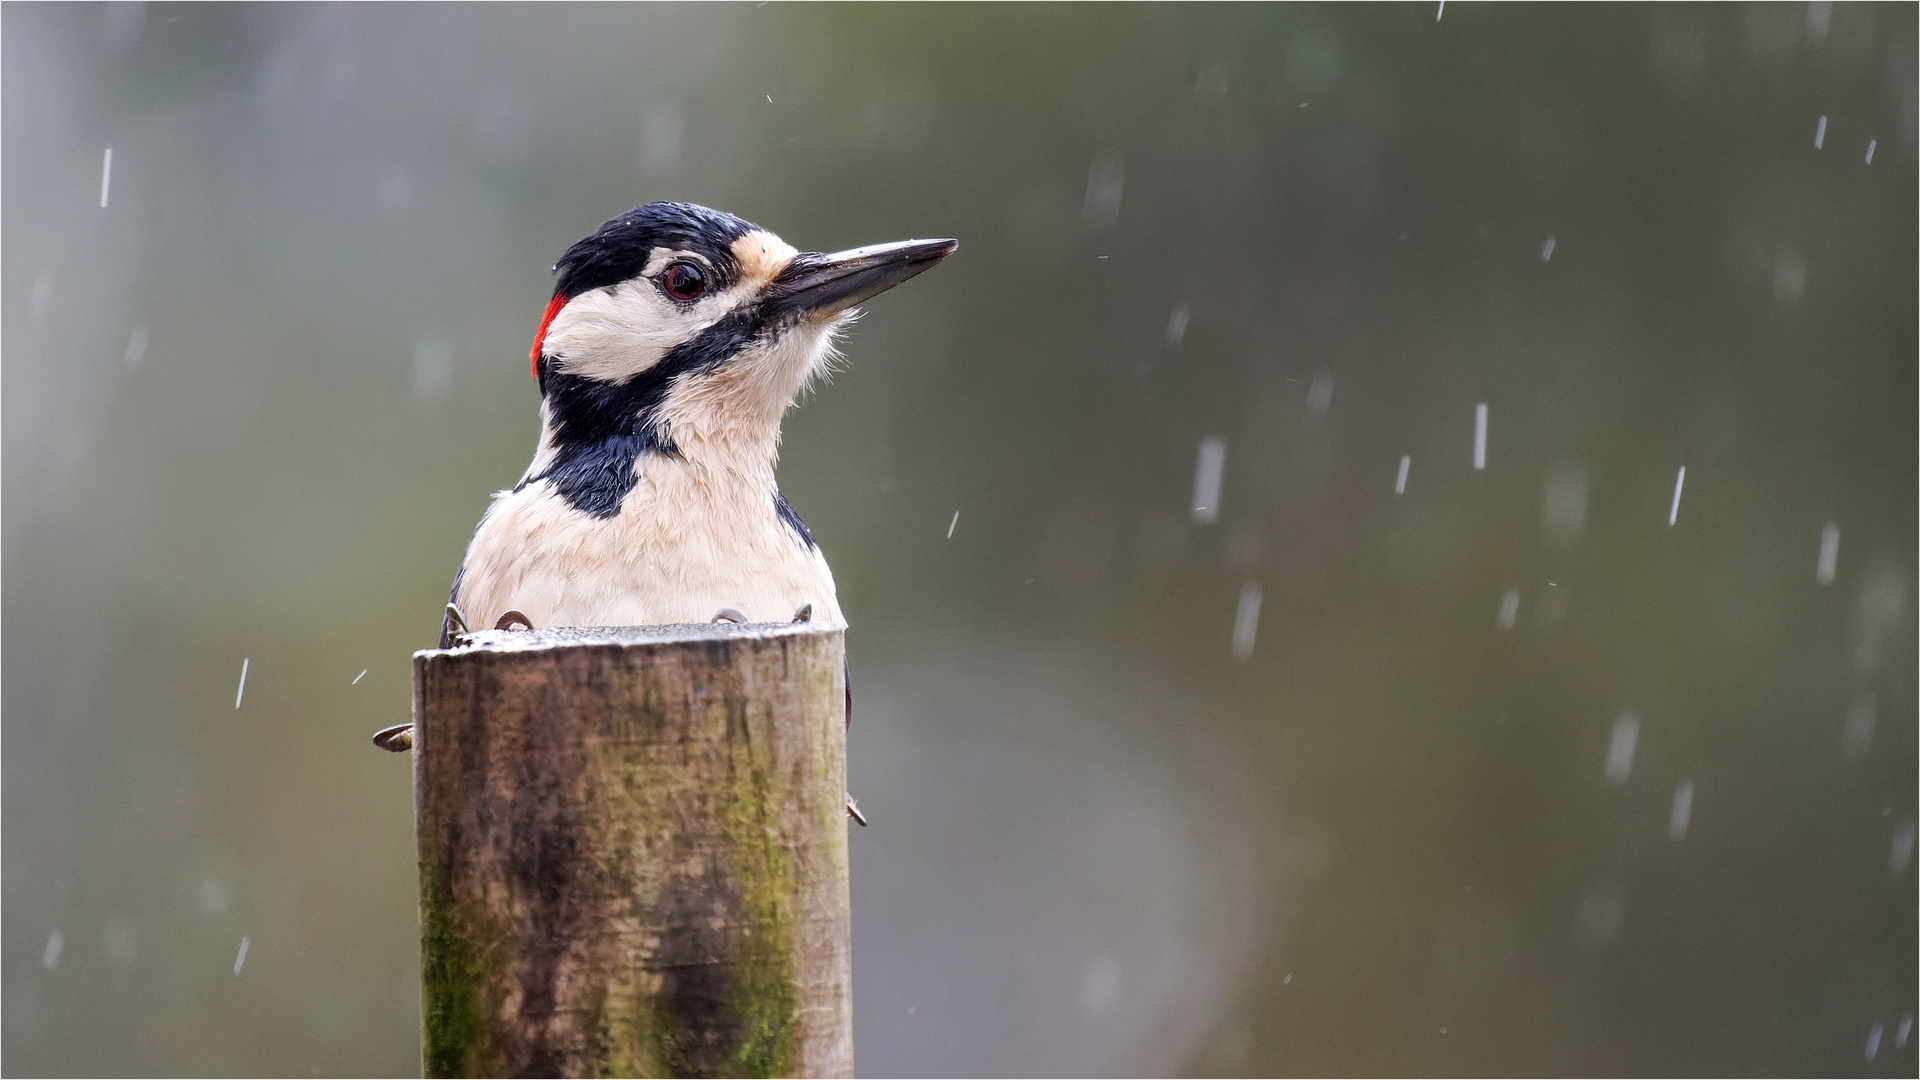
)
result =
(601, 428)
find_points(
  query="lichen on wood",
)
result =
(633, 852)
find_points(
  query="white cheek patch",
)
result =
(612, 334)
(615, 333)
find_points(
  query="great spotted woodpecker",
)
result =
(676, 339)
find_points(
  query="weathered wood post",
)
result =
(633, 852)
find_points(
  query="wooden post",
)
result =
(633, 852)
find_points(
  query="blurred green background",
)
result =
(1503, 773)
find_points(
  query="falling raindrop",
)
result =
(1902, 855)
(1679, 481)
(1880, 609)
(1480, 436)
(214, 899)
(1106, 178)
(1320, 394)
(1246, 620)
(1789, 277)
(1873, 1042)
(242, 958)
(1626, 736)
(106, 177)
(1682, 813)
(1829, 554)
(1206, 480)
(1400, 482)
(136, 349)
(242, 692)
(1819, 14)
(1546, 250)
(951, 524)
(1857, 735)
(1177, 325)
(1820, 132)
(1509, 608)
(1563, 506)
(50, 957)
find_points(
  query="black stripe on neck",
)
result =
(601, 428)
(783, 510)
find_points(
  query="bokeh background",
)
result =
(1339, 770)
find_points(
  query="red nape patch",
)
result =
(540, 339)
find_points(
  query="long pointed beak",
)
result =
(816, 286)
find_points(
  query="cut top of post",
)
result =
(563, 637)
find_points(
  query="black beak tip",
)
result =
(922, 254)
(824, 285)
(937, 251)
(916, 256)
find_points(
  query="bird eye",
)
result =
(684, 281)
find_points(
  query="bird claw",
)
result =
(727, 614)
(853, 811)
(512, 616)
(455, 624)
(398, 738)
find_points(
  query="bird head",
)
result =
(689, 331)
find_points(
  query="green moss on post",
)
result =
(452, 989)
(633, 853)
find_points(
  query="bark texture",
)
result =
(633, 852)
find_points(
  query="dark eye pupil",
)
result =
(685, 282)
